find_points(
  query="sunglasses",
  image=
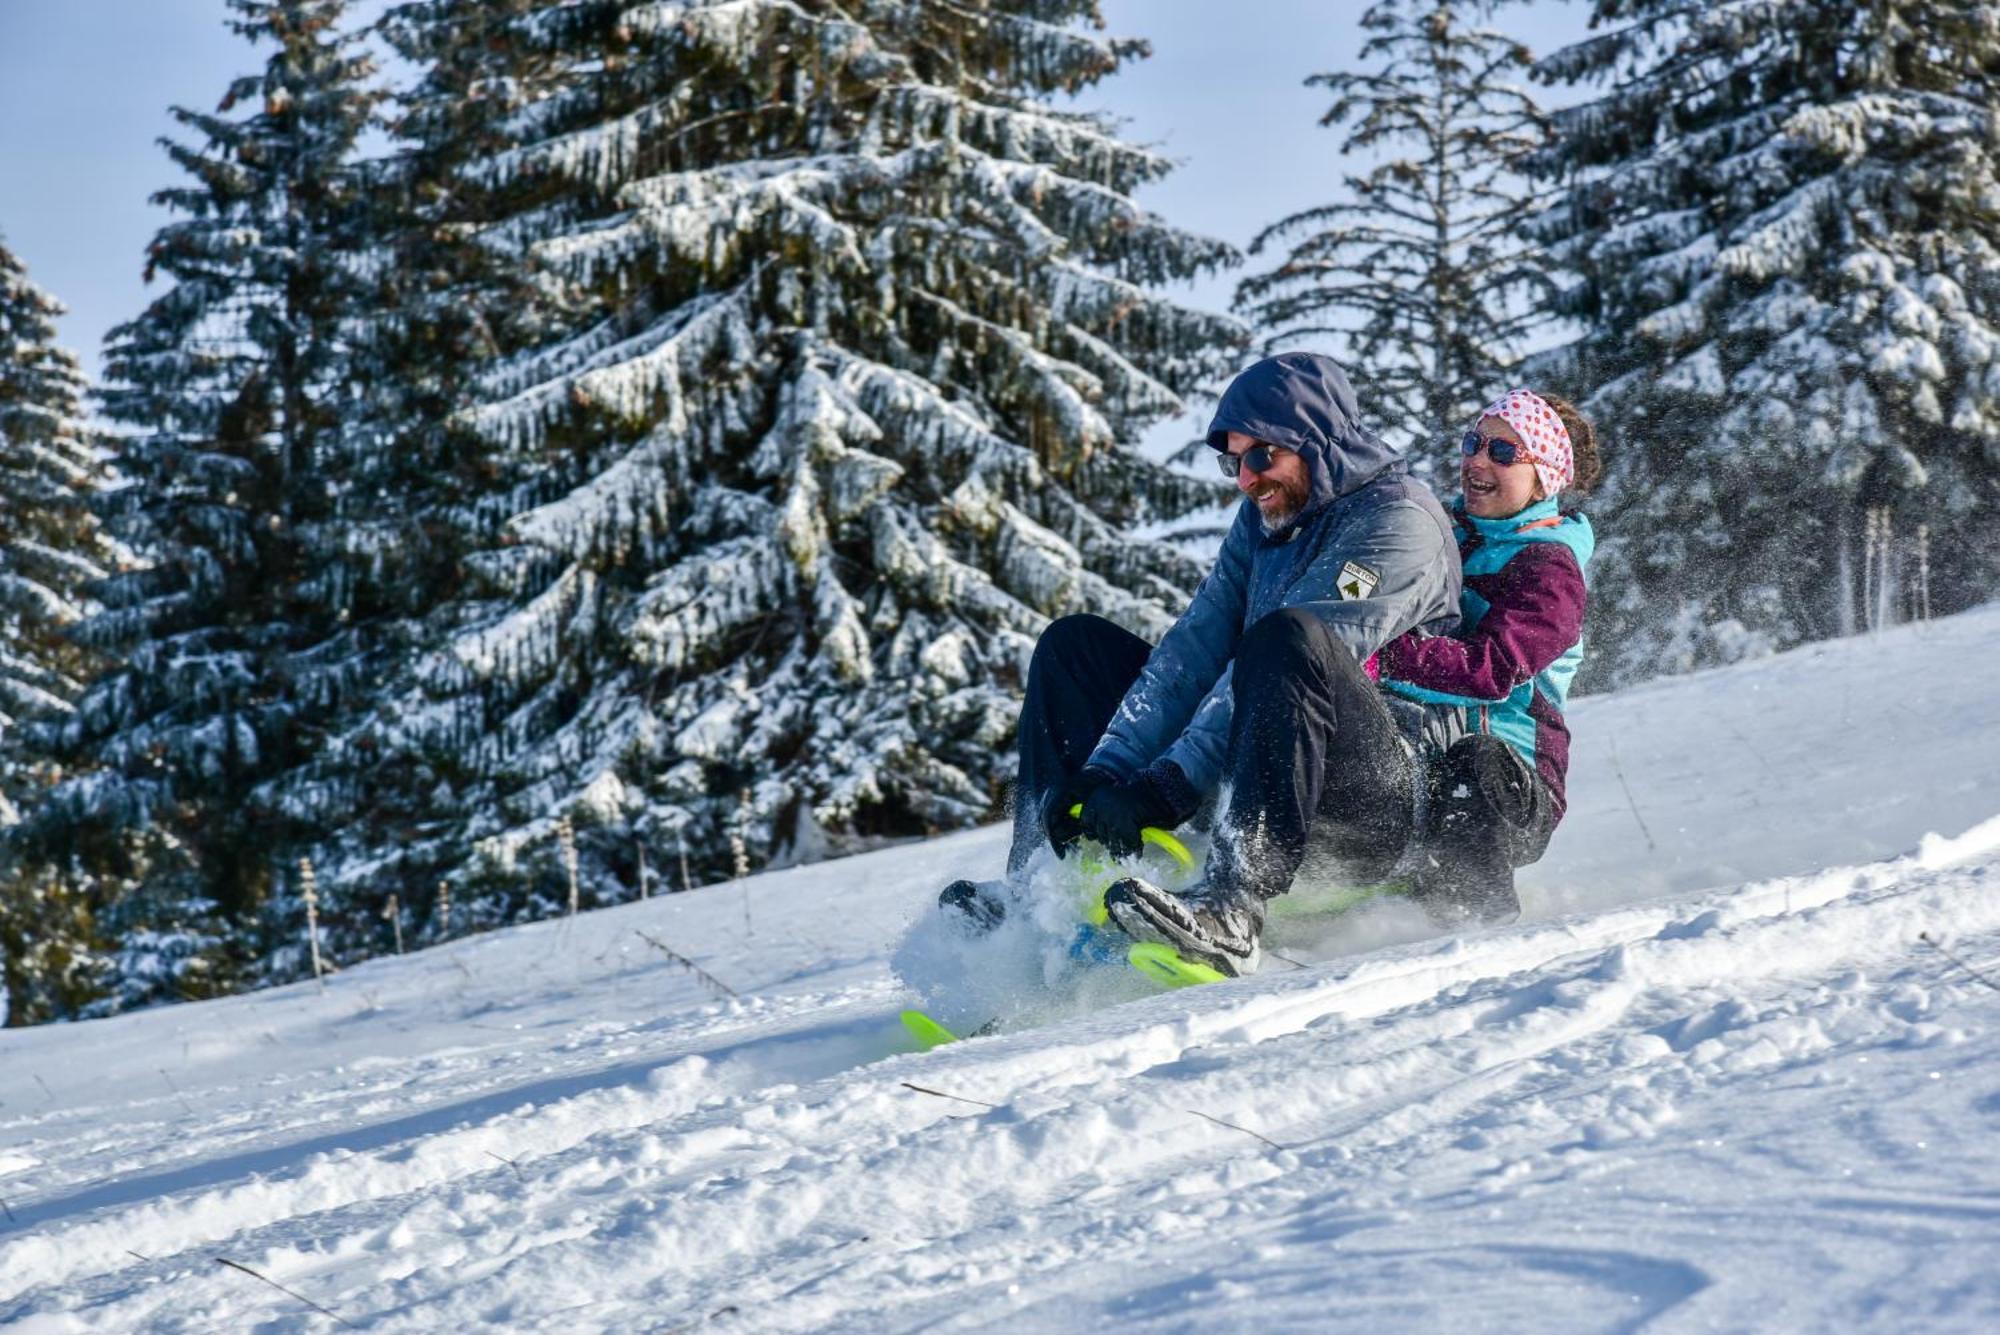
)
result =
(1502, 452)
(1258, 459)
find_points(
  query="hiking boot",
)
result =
(980, 901)
(1201, 925)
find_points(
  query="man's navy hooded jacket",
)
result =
(1370, 553)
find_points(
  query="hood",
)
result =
(1303, 402)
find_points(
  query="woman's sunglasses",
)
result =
(1258, 459)
(1502, 452)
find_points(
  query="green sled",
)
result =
(1159, 963)
(928, 1032)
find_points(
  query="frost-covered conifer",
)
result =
(1782, 217)
(448, 301)
(238, 389)
(1421, 272)
(438, 307)
(818, 409)
(51, 545)
(51, 548)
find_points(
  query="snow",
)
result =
(1732, 1070)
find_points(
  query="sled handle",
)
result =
(1158, 838)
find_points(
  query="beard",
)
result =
(1276, 518)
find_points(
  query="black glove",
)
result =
(1062, 828)
(1115, 815)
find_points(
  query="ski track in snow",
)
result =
(1674, 1096)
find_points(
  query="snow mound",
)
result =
(1734, 1069)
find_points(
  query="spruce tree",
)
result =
(1781, 219)
(1421, 273)
(51, 549)
(51, 544)
(450, 294)
(820, 406)
(243, 405)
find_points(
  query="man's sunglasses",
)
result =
(1502, 452)
(1258, 459)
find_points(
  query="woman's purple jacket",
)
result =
(1508, 667)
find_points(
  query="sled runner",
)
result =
(1096, 941)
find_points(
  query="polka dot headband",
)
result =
(1544, 439)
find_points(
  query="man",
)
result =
(1262, 684)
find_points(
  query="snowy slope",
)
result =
(1715, 1079)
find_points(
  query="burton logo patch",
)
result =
(1356, 581)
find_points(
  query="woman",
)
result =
(1493, 737)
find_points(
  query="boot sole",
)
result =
(1147, 914)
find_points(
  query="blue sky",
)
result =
(85, 86)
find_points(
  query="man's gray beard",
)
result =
(1275, 525)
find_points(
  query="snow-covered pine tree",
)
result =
(51, 544)
(452, 294)
(1421, 273)
(51, 548)
(239, 638)
(1781, 214)
(822, 407)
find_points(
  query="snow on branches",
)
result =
(1780, 218)
(819, 404)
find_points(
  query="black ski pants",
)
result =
(1081, 669)
(1313, 751)
(1315, 763)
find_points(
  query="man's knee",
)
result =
(1084, 648)
(1287, 641)
(1069, 637)
(1077, 627)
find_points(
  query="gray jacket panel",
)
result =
(1390, 529)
